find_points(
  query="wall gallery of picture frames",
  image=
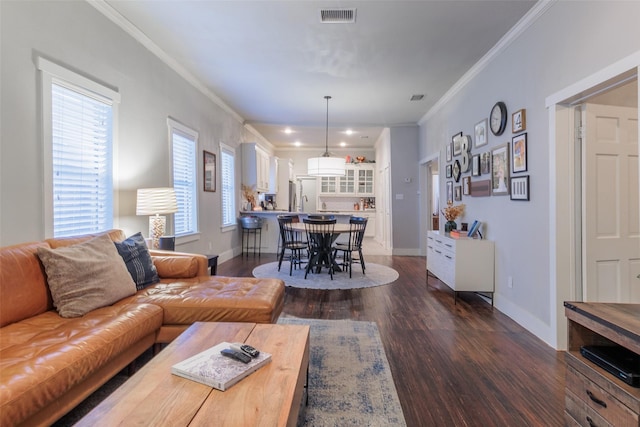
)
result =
(492, 171)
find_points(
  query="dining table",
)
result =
(338, 229)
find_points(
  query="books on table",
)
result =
(215, 370)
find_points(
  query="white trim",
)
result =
(525, 22)
(107, 10)
(617, 68)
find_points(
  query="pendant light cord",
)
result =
(326, 140)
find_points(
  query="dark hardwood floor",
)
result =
(453, 365)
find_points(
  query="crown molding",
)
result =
(521, 26)
(114, 16)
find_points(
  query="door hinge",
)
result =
(580, 132)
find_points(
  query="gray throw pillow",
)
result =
(135, 254)
(86, 276)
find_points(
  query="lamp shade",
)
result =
(326, 166)
(153, 201)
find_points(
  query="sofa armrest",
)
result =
(179, 265)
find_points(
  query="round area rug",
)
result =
(376, 275)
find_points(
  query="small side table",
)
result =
(213, 264)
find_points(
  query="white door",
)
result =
(611, 200)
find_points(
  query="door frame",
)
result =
(564, 206)
(425, 193)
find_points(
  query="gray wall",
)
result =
(405, 199)
(74, 34)
(570, 41)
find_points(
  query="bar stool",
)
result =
(251, 225)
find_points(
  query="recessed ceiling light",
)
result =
(349, 132)
(417, 97)
(288, 131)
(343, 144)
(297, 144)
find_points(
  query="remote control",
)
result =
(237, 355)
(245, 348)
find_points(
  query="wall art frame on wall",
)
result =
(456, 170)
(449, 171)
(480, 132)
(457, 193)
(466, 185)
(457, 143)
(519, 153)
(209, 170)
(475, 165)
(500, 170)
(520, 188)
(449, 148)
(485, 163)
(519, 121)
(449, 192)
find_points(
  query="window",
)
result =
(78, 116)
(184, 143)
(227, 172)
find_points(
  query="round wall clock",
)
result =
(456, 170)
(498, 118)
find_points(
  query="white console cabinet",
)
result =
(463, 264)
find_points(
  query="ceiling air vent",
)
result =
(338, 16)
(417, 97)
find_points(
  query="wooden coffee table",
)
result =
(271, 396)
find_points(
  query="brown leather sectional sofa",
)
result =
(49, 364)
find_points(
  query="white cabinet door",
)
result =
(365, 180)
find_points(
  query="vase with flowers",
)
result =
(450, 213)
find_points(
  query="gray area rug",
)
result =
(350, 383)
(375, 275)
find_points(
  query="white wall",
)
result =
(569, 41)
(75, 35)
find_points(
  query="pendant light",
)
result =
(326, 165)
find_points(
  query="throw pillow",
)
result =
(135, 254)
(86, 276)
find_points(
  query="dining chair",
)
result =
(357, 226)
(290, 241)
(320, 237)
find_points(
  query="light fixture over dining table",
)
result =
(326, 165)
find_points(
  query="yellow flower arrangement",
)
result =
(452, 212)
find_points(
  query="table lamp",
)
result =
(156, 202)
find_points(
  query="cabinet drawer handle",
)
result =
(596, 400)
(447, 256)
(590, 421)
(437, 251)
(448, 245)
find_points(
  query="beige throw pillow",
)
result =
(86, 276)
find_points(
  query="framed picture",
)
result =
(457, 193)
(456, 170)
(449, 191)
(449, 156)
(519, 153)
(485, 163)
(456, 140)
(466, 185)
(500, 170)
(449, 169)
(518, 121)
(520, 188)
(480, 131)
(475, 165)
(209, 163)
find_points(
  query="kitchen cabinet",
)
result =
(464, 264)
(255, 167)
(594, 396)
(357, 181)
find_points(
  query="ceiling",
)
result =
(272, 62)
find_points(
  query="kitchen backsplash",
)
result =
(344, 203)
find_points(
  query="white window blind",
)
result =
(227, 172)
(82, 145)
(184, 146)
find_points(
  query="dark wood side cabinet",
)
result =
(593, 396)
